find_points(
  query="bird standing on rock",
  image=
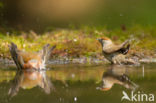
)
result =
(30, 60)
(114, 53)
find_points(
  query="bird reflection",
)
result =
(29, 80)
(116, 75)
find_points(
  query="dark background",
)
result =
(39, 15)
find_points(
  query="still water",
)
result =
(78, 84)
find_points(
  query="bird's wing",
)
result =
(127, 83)
(118, 48)
(112, 49)
(15, 55)
(125, 43)
(46, 51)
(47, 85)
(15, 84)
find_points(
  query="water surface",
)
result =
(76, 84)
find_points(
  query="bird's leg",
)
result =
(113, 61)
(118, 62)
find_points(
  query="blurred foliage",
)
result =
(1, 5)
(22, 15)
(82, 41)
(76, 37)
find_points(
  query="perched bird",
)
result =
(30, 60)
(114, 52)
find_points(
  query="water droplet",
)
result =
(75, 40)
(60, 99)
(73, 75)
(75, 98)
(121, 14)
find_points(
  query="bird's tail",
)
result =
(128, 83)
(46, 51)
(125, 43)
(16, 57)
(126, 49)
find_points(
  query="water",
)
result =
(76, 84)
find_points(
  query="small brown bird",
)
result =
(30, 60)
(112, 51)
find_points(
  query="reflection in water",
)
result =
(116, 75)
(81, 80)
(30, 79)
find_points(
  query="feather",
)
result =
(15, 55)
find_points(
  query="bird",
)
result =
(30, 60)
(112, 52)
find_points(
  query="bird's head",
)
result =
(105, 89)
(104, 41)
